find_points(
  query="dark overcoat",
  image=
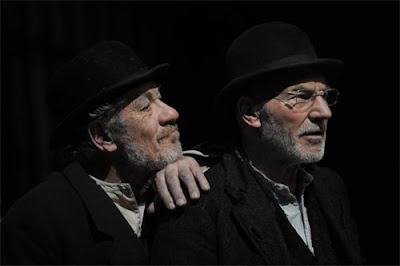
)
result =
(68, 219)
(240, 222)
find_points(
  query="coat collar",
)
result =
(106, 217)
(254, 211)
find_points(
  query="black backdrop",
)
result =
(36, 37)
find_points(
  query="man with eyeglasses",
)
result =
(270, 204)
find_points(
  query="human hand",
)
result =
(167, 183)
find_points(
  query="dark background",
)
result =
(363, 135)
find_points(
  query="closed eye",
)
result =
(146, 107)
(144, 104)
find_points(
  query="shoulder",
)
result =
(216, 174)
(54, 193)
(328, 182)
(205, 205)
(221, 169)
(325, 176)
(40, 194)
(225, 176)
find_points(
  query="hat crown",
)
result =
(274, 54)
(91, 73)
(95, 76)
(267, 46)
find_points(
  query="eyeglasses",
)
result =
(302, 99)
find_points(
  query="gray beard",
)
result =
(137, 155)
(277, 139)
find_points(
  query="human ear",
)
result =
(247, 112)
(100, 138)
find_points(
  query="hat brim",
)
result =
(225, 100)
(156, 73)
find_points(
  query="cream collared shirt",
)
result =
(124, 199)
(295, 210)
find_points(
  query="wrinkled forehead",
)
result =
(308, 84)
(265, 90)
(309, 81)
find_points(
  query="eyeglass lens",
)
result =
(305, 98)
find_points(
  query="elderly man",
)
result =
(115, 133)
(269, 203)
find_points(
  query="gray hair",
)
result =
(105, 118)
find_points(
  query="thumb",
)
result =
(151, 209)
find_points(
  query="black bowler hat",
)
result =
(274, 52)
(97, 75)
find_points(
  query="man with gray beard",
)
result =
(269, 203)
(114, 134)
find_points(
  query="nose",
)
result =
(167, 114)
(320, 109)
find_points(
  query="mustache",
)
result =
(167, 130)
(313, 129)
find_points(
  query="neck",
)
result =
(272, 166)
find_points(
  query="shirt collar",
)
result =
(122, 193)
(281, 191)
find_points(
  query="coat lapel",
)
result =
(331, 200)
(254, 212)
(127, 248)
